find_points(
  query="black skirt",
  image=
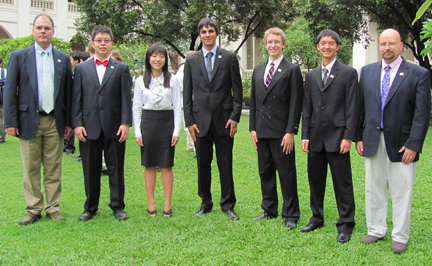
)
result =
(157, 130)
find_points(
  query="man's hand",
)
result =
(345, 146)
(305, 145)
(174, 140)
(123, 131)
(254, 139)
(139, 141)
(288, 143)
(359, 147)
(13, 131)
(67, 132)
(409, 155)
(80, 133)
(192, 130)
(233, 127)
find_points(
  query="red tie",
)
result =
(98, 62)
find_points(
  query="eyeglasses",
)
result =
(273, 42)
(39, 28)
(99, 41)
(390, 44)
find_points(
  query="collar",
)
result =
(394, 65)
(205, 51)
(94, 58)
(329, 66)
(276, 62)
(39, 49)
(160, 78)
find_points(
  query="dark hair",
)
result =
(101, 29)
(91, 48)
(208, 22)
(84, 56)
(328, 32)
(75, 55)
(154, 49)
(117, 56)
(46, 16)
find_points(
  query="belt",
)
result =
(45, 113)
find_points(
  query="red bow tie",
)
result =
(98, 62)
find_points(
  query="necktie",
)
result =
(385, 90)
(325, 70)
(269, 75)
(48, 88)
(98, 62)
(209, 65)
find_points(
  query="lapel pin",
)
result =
(401, 74)
(219, 56)
(279, 70)
(58, 60)
(112, 67)
(331, 76)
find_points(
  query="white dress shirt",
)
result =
(276, 65)
(157, 98)
(329, 67)
(100, 69)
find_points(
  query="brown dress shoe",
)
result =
(368, 239)
(398, 247)
(56, 216)
(30, 218)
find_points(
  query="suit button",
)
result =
(259, 97)
(269, 107)
(269, 117)
(274, 97)
(322, 108)
(263, 106)
(322, 93)
(263, 116)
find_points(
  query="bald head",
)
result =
(390, 45)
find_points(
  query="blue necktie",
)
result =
(325, 70)
(48, 88)
(385, 90)
(209, 65)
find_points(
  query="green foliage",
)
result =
(7, 46)
(175, 22)
(422, 10)
(247, 84)
(246, 99)
(301, 47)
(208, 240)
(128, 50)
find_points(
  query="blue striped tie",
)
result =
(385, 90)
(48, 88)
(209, 65)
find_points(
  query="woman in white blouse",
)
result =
(157, 119)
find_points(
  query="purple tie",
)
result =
(269, 75)
(385, 90)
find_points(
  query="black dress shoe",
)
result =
(120, 215)
(85, 216)
(76, 156)
(290, 224)
(202, 212)
(232, 215)
(263, 215)
(343, 237)
(310, 227)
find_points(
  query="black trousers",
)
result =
(271, 158)
(204, 150)
(91, 155)
(340, 167)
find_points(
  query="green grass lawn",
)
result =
(209, 240)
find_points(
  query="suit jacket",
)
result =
(216, 101)
(276, 110)
(406, 112)
(21, 92)
(330, 112)
(103, 106)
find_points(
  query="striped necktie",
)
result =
(209, 65)
(385, 86)
(269, 75)
(325, 70)
(48, 88)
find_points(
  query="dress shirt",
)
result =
(276, 65)
(157, 98)
(393, 70)
(329, 67)
(39, 69)
(100, 69)
(205, 52)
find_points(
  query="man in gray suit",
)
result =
(394, 119)
(275, 108)
(37, 110)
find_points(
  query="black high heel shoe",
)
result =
(151, 213)
(168, 213)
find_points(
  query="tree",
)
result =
(128, 50)
(386, 13)
(301, 47)
(175, 22)
(7, 46)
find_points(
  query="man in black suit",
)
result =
(331, 109)
(212, 97)
(37, 111)
(101, 115)
(275, 108)
(394, 119)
